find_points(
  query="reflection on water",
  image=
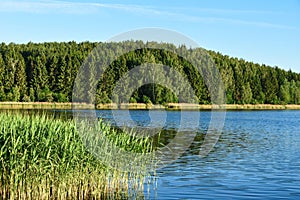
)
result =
(257, 156)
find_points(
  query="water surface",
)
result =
(256, 157)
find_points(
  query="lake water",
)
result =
(256, 157)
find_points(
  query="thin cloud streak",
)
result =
(62, 6)
(87, 8)
(232, 11)
(239, 22)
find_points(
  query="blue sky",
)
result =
(262, 31)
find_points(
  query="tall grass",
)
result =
(45, 158)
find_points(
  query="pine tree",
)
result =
(284, 93)
(246, 93)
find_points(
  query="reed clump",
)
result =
(45, 158)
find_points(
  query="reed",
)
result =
(45, 158)
(140, 106)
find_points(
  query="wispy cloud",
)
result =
(48, 6)
(234, 21)
(230, 11)
(178, 14)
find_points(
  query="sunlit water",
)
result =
(256, 157)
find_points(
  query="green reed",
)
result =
(45, 158)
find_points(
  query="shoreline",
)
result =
(141, 106)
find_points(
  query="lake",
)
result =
(256, 157)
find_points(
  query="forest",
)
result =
(46, 72)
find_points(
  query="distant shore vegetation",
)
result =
(45, 72)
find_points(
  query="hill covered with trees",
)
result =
(46, 72)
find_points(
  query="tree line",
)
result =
(46, 72)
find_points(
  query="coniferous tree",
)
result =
(47, 71)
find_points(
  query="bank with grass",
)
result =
(141, 106)
(45, 158)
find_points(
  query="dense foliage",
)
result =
(46, 72)
(45, 158)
